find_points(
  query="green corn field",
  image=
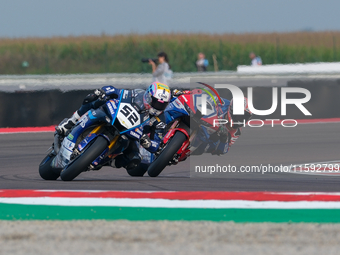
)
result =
(122, 53)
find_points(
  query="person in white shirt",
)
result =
(201, 63)
(161, 73)
(255, 60)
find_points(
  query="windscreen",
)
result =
(138, 98)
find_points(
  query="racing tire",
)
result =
(81, 163)
(157, 166)
(46, 171)
(138, 171)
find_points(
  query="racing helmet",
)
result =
(237, 121)
(156, 98)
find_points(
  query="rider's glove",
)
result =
(145, 141)
(223, 134)
(100, 93)
(161, 125)
(177, 92)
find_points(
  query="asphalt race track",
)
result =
(20, 155)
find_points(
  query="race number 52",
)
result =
(130, 114)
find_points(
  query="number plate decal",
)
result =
(128, 116)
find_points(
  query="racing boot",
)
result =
(134, 162)
(119, 161)
(128, 162)
(64, 127)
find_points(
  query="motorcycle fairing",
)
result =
(87, 120)
(135, 133)
(174, 110)
(127, 115)
(210, 107)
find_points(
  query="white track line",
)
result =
(165, 203)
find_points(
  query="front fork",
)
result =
(98, 129)
(92, 135)
(184, 151)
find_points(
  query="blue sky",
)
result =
(23, 18)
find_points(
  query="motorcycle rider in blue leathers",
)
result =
(154, 99)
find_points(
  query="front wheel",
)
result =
(167, 154)
(81, 163)
(46, 171)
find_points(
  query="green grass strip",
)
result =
(44, 212)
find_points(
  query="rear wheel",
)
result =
(46, 171)
(167, 154)
(82, 163)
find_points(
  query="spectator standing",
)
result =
(161, 73)
(255, 60)
(201, 63)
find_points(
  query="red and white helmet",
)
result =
(239, 120)
(156, 98)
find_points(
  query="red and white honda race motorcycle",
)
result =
(189, 124)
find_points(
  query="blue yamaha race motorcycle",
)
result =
(97, 138)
